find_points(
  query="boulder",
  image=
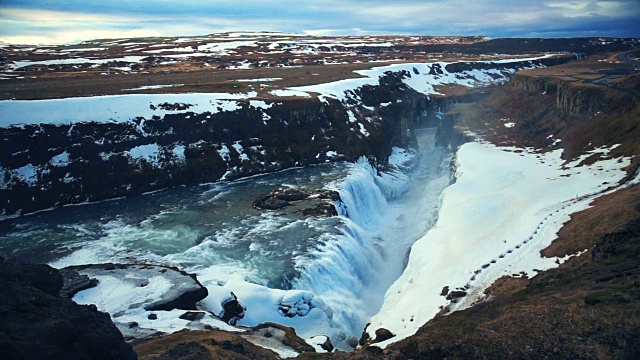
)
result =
(232, 310)
(456, 294)
(383, 334)
(364, 338)
(192, 315)
(327, 345)
(285, 335)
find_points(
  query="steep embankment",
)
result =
(75, 150)
(50, 165)
(577, 107)
(29, 295)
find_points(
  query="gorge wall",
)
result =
(575, 97)
(55, 165)
(45, 165)
(583, 114)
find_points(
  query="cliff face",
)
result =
(577, 112)
(37, 323)
(47, 165)
(51, 165)
(574, 97)
(464, 66)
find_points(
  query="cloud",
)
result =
(74, 36)
(56, 21)
(18, 14)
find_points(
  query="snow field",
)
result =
(503, 209)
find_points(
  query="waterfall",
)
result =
(346, 270)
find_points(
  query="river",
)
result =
(349, 261)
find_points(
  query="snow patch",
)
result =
(429, 75)
(114, 108)
(178, 152)
(148, 153)
(285, 93)
(61, 159)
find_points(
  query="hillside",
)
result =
(243, 62)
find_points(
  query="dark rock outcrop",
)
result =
(73, 282)
(192, 315)
(327, 345)
(456, 294)
(383, 334)
(318, 203)
(36, 323)
(289, 336)
(232, 310)
(364, 338)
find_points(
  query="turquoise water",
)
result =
(185, 226)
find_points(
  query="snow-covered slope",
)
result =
(506, 206)
(424, 77)
(114, 108)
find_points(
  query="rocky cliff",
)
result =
(577, 106)
(574, 97)
(37, 323)
(45, 166)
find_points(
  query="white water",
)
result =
(336, 270)
(382, 216)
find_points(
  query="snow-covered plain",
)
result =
(506, 206)
(118, 108)
(420, 78)
(112, 108)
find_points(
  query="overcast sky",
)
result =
(68, 21)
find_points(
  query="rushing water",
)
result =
(208, 225)
(349, 260)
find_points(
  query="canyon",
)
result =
(572, 119)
